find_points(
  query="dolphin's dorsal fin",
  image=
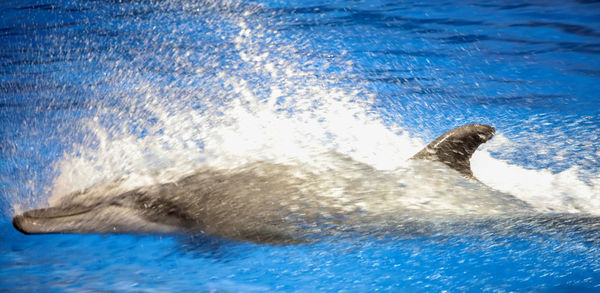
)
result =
(455, 147)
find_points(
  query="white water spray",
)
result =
(278, 107)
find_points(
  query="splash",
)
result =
(265, 99)
(274, 105)
(563, 192)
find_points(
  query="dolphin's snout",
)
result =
(47, 220)
(19, 224)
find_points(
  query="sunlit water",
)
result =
(149, 92)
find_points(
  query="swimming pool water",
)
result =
(93, 91)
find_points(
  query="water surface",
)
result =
(95, 91)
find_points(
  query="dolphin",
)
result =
(275, 203)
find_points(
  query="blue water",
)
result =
(530, 69)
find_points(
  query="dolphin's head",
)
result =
(111, 217)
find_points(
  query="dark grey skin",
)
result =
(271, 203)
(455, 147)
